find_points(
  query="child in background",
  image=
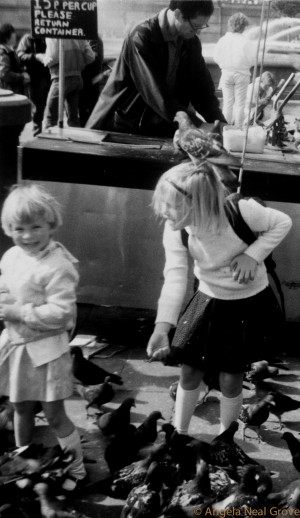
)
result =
(40, 278)
(263, 89)
(235, 316)
(235, 55)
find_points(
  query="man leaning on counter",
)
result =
(160, 71)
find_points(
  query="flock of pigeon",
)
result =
(31, 479)
(160, 473)
(156, 471)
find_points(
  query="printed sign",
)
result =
(66, 19)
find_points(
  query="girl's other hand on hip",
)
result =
(243, 268)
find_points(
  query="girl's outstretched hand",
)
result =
(243, 268)
(158, 347)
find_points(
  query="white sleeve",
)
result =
(89, 54)
(52, 50)
(272, 226)
(175, 275)
(60, 307)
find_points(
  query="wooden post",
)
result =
(61, 84)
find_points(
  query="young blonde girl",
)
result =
(38, 307)
(237, 315)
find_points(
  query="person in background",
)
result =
(77, 54)
(234, 318)
(31, 55)
(160, 71)
(263, 89)
(12, 75)
(91, 87)
(235, 55)
(40, 276)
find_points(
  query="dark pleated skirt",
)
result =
(228, 335)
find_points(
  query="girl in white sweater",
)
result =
(38, 306)
(234, 318)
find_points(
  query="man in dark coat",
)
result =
(160, 71)
(30, 52)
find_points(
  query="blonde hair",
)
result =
(195, 192)
(268, 78)
(26, 202)
(238, 22)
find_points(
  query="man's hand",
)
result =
(10, 312)
(158, 347)
(244, 268)
(25, 78)
(44, 59)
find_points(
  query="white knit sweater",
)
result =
(213, 253)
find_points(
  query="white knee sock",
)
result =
(72, 443)
(186, 401)
(230, 408)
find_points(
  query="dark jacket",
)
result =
(27, 49)
(136, 96)
(10, 70)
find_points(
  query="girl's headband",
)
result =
(179, 189)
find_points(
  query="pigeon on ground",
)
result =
(220, 482)
(224, 452)
(124, 480)
(194, 492)
(147, 431)
(264, 483)
(244, 496)
(34, 459)
(294, 447)
(88, 373)
(168, 430)
(180, 465)
(287, 498)
(223, 448)
(262, 388)
(121, 451)
(96, 395)
(282, 402)
(144, 501)
(255, 414)
(261, 370)
(111, 423)
(177, 445)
